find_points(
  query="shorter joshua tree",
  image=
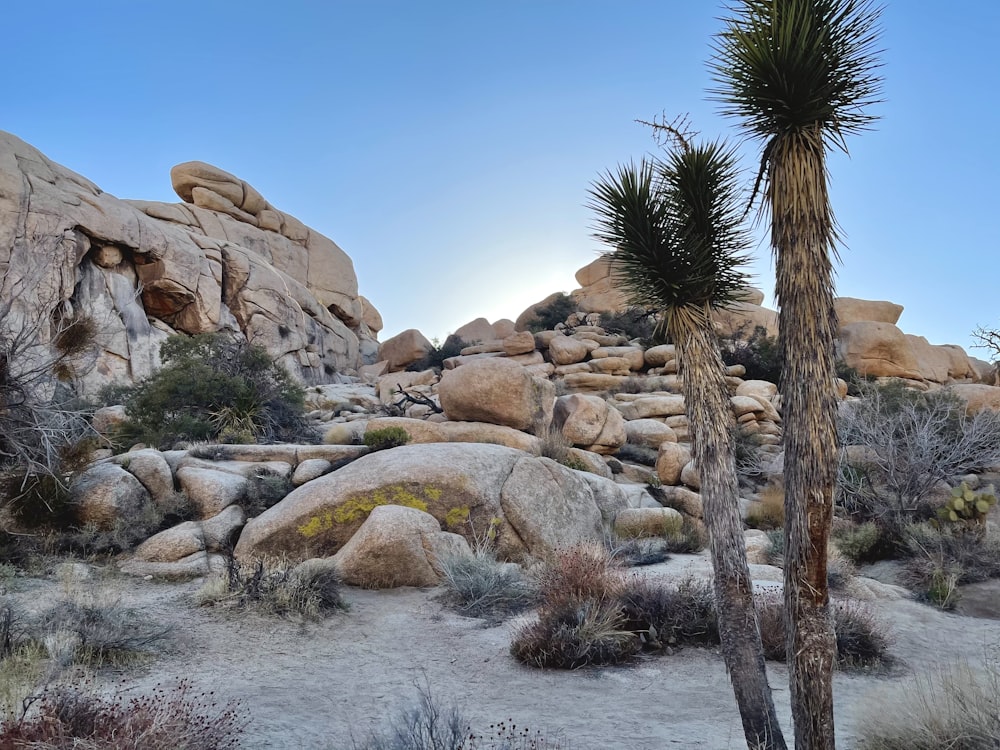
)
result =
(678, 242)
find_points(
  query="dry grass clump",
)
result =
(275, 587)
(75, 718)
(592, 632)
(957, 707)
(768, 513)
(478, 585)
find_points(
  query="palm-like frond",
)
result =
(675, 228)
(785, 66)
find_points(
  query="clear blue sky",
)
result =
(447, 146)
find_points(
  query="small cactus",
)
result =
(967, 506)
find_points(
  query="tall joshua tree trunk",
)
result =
(709, 413)
(802, 225)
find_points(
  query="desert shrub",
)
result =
(756, 351)
(861, 639)
(434, 725)
(553, 444)
(385, 438)
(38, 500)
(913, 441)
(547, 317)
(580, 620)
(213, 386)
(862, 543)
(776, 553)
(955, 706)
(768, 513)
(632, 384)
(265, 488)
(64, 717)
(671, 615)
(572, 635)
(435, 357)
(96, 632)
(943, 556)
(632, 323)
(40, 356)
(839, 570)
(688, 538)
(275, 587)
(126, 530)
(749, 461)
(478, 585)
(578, 573)
(633, 553)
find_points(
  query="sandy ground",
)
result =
(317, 684)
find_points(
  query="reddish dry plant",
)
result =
(65, 717)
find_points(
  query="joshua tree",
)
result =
(799, 74)
(675, 227)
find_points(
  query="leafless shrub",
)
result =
(912, 442)
(42, 343)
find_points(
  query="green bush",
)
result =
(384, 438)
(265, 488)
(547, 317)
(689, 538)
(434, 358)
(213, 387)
(633, 323)
(757, 352)
(861, 544)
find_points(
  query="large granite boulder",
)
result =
(105, 493)
(588, 422)
(498, 391)
(464, 486)
(850, 310)
(223, 259)
(878, 350)
(395, 546)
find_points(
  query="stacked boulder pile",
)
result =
(543, 439)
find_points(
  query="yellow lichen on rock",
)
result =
(358, 508)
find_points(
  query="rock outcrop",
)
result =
(224, 259)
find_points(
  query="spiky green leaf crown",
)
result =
(785, 66)
(675, 228)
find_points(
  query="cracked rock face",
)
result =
(224, 259)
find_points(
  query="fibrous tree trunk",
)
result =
(801, 234)
(710, 417)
